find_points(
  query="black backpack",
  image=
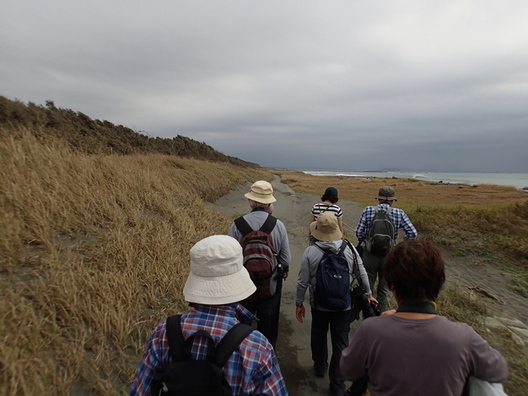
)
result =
(332, 282)
(260, 258)
(380, 236)
(188, 377)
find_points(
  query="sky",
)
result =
(423, 85)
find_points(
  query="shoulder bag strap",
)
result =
(243, 226)
(355, 264)
(269, 224)
(175, 337)
(231, 341)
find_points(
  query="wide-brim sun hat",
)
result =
(217, 275)
(262, 192)
(325, 228)
(387, 193)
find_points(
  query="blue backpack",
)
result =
(332, 286)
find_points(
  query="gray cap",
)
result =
(387, 193)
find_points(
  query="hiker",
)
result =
(327, 236)
(216, 284)
(260, 199)
(328, 204)
(375, 263)
(412, 350)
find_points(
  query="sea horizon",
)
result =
(517, 180)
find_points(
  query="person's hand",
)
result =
(285, 275)
(389, 312)
(371, 298)
(299, 314)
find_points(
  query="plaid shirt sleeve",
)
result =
(407, 226)
(364, 223)
(258, 372)
(155, 356)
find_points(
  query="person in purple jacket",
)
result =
(412, 350)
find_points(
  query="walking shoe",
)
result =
(320, 373)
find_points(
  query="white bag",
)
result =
(478, 387)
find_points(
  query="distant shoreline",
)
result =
(516, 180)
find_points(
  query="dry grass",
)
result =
(93, 252)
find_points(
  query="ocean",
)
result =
(517, 180)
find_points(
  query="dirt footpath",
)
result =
(293, 347)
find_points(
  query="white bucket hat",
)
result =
(262, 192)
(217, 273)
(325, 228)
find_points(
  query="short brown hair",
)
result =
(415, 270)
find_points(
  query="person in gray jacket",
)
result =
(261, 199)
(326, 234)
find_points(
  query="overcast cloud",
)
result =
(422, 85)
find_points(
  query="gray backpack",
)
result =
(380, 236)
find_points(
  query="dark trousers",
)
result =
(375, 267)
(267, 312)
(339, 323)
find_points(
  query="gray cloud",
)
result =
(333, 85)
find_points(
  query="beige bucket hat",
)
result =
(261, 191)
(217, 273)
(325, 228)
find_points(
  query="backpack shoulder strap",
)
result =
(231, 341)
(343, 247)
(269, 224)
(243, 225)
(175, 337)
(245, 229)
(355, 265)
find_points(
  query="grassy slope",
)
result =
(93, 252)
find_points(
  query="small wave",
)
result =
(419, 176)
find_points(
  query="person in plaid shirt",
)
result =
(375, 265)
(216, 284)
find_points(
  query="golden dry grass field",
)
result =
(93, 251)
